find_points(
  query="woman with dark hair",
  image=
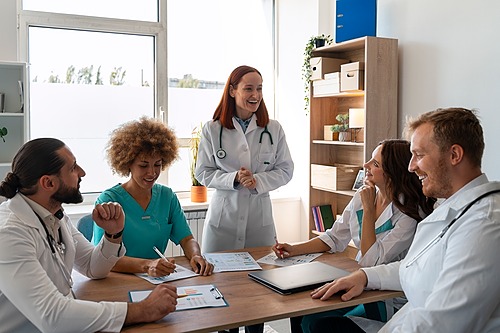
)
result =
(381, 220)
(243, 155)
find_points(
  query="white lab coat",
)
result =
(237, 217)
(453, 287)
(390, 245)
(34, 295)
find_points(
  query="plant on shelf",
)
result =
(198, 191)
(314, 42)
(3, 133)
(342, 127)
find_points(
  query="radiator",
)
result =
(195, 220)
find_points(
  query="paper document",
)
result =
(231, 262)
(272, 259)
(181, 273)
(190, 297)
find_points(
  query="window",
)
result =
(206, 41)
(144, 10)
(96, 65)
(87, 76)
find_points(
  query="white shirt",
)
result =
(392, 242)
(454, 285)
(34, 292)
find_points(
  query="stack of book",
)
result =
(323, 217)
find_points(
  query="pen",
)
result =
(162, 256)
(281, 251)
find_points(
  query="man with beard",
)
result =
(39, 247)
(450, 274)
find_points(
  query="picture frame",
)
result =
(358, 182)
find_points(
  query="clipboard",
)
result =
(191, 297)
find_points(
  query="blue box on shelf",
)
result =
(354, 19)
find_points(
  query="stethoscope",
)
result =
(57, 254)
(436, 239)
(221, 153)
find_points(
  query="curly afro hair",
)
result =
(143, 137)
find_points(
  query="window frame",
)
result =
(157, 30)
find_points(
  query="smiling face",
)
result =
(429, 163)
(144, 171)
(247, 95)
(374, 172)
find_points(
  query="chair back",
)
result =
(86, 226)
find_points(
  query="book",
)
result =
(327, 216)
(316, 219)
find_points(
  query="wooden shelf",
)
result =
(349, 193)
(344, 94)
(379, 99)
(340, 143)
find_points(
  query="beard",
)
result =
(67, 195)
(441, 183)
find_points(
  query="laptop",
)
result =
(292, 279)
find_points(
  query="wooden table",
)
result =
(249, 302)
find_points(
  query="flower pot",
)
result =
(319, 42)
(198, 194)
(344, 136)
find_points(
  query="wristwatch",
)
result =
(115, 236)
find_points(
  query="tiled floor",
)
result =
(277, 326)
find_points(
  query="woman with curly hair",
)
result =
(142, 149)
(381, 220)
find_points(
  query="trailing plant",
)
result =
(194, 144)
(343, 125)
(306, 66)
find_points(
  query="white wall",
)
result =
(448, 56)
(8, 37)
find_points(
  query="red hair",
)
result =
(227, 106)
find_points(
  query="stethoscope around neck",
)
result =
(436, 239)
(57, 250)
(221, 153)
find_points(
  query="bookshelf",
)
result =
(378, 98)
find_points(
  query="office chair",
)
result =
(86, 226)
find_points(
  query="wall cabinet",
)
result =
(379, 100)
(14, 116)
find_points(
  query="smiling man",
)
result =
(39, 247)
(450, 274)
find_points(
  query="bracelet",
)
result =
(115, 236)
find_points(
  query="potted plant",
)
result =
(198, 191)
(312, 43)
(3, 133)
(342, 127)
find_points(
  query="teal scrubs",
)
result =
(163, 219)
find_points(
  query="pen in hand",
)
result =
(281, 251)
(162, 256)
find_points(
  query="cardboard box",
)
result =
(327, 133)
(325, 88)
(352, 76)
(333, 76)
(334, 178)
(321, 66)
